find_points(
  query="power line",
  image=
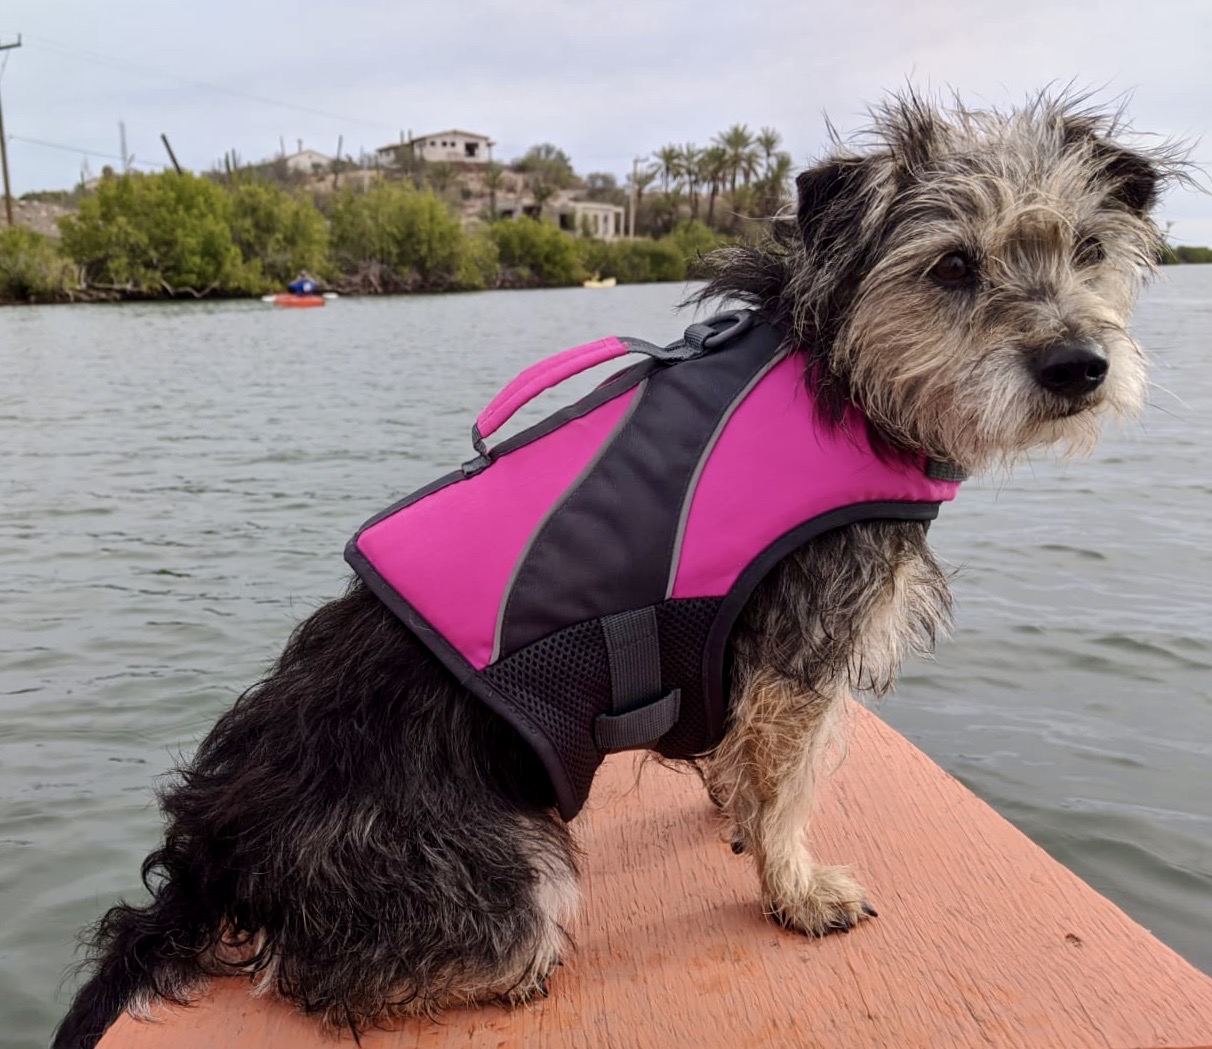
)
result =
(68, 51)
(78, 149)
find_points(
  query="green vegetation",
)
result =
(397, 238)
(409, 227)
(1185, 253)
(669, 258)
(31, 270)
(166, 235)
(535, 254)
(152, 235)
(278, 233)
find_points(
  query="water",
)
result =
(177, 482)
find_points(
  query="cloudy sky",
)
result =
(607, 82)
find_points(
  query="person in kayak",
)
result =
(303, 284)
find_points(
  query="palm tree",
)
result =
(542, 191)
(669, 164)
(641, 179)
(750, 165)
(713, 169)
(768, 140)
(772, 190)
(692, 161)
(738, 144)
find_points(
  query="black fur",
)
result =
(360, 834)
(357, 817)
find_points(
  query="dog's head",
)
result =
(967, 278)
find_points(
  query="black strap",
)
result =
(700, 338)
(640, 727)
(639, 715)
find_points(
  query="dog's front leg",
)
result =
(835, 617)
(763, 775)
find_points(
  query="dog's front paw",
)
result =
(834, 903)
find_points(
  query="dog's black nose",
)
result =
(1072, 368)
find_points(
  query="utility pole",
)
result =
(122, 147)
(171, 155)
(8, 196)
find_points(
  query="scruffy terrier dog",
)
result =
(365, 838)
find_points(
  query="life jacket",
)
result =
(582, 577)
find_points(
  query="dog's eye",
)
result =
(1089, 252)
(953, 268)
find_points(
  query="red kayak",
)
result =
(297, 301)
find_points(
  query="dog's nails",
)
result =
(870, 911)
(738, 846)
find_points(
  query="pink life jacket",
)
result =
(582, 577)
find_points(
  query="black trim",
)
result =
(408, 500)
(469, 678)
(715, 687)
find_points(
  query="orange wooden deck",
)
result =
(982, 939)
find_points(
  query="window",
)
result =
(471, 149)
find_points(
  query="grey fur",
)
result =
(362, 837)
(1051, 221)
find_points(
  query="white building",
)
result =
(592, 218)
(451, 147)
(307, 162)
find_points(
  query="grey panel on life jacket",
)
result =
(609, 545)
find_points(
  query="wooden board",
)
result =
(982, 938)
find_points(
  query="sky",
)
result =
(606, 82)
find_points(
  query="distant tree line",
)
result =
(181, 235)
(249, 229)
(1182, 253)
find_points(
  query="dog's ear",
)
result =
(1134, 180)
(822, 188)
(839, 201)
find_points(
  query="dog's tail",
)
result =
(136, 954)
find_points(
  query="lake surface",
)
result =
(177, 483)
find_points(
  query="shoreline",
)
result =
(104, 296)
(90, 297)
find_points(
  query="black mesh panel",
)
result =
(562, 682)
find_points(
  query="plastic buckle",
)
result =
(477, 465)
(739, 322)
(709, 335)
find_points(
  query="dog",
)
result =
(363, 837)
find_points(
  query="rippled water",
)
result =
(177, 483)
